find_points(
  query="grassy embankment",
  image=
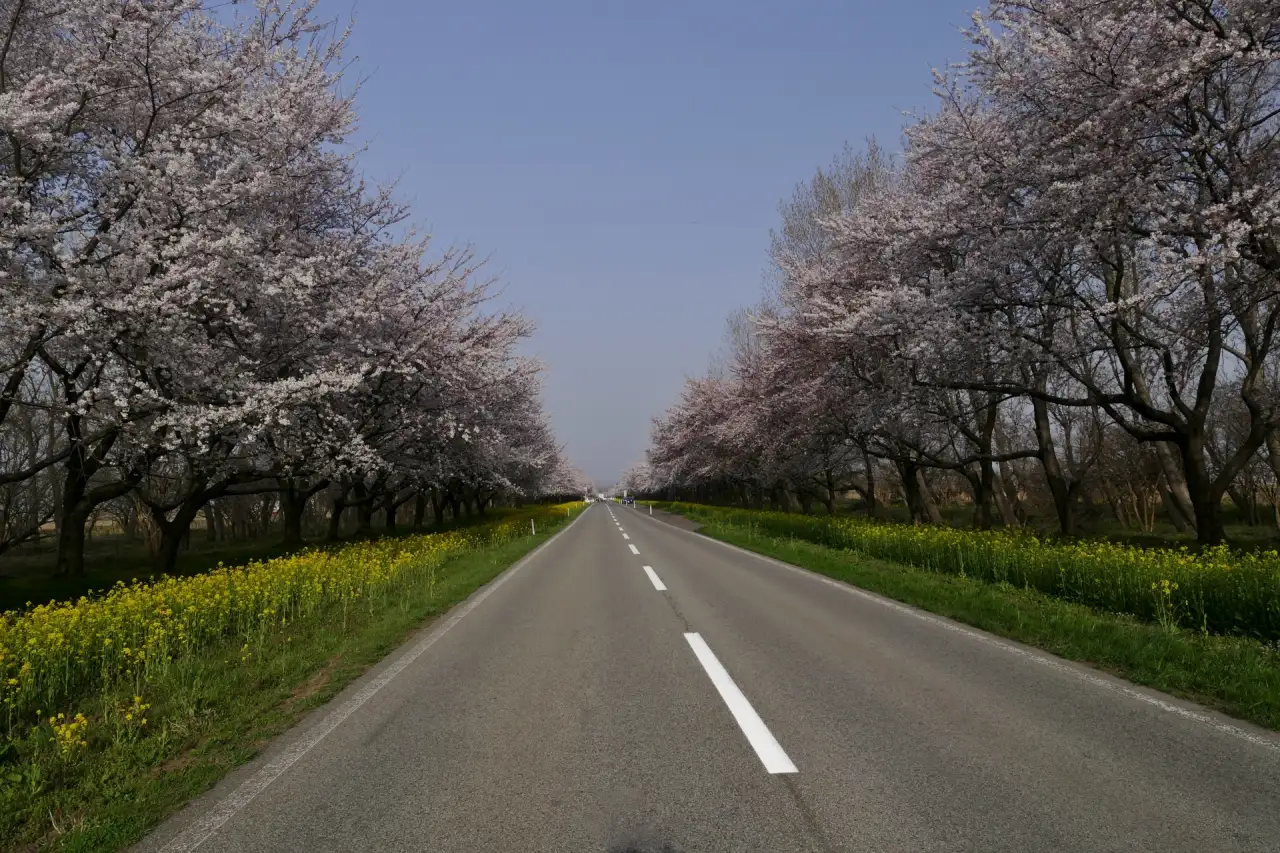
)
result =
(116, 710)
(1204, 626)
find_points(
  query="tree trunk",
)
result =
(172, 532)
(71, 540)
(75, 511)
(1059, 488)
(364, 510)
(871, 484)
(1273, 459)
(390, 509)
(983, 484)
(1179, 488)
(335, 516)
(419, 510)
(293, 503)
(1008, 490)
(1209, 527)
(1008, 515)
(239, 522)
(1248, 507)
(787, 499)
(988, 414)
(830, 497)
(911, 480)
(1113, 500)
(1206, 496)
(932, 513)
(265, 511)
(1170, 507)
(78, 503)
(210, 526)
(56, 484)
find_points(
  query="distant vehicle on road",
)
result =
(628, 500)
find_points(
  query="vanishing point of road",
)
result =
(633, 686)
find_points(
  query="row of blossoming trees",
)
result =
(200, 298)
(1067, 285)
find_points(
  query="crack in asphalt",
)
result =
(675, 608)
(810, 817)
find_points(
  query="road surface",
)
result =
(633, 686)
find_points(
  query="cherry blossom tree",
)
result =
(1085, 228)
(201, 298)
(1134, 147)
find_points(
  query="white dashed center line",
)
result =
(653, 576)
(758, 734)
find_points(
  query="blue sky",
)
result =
(622, 163)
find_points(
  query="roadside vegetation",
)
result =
(117, 708)
(1201, 626)
(115, 555)
(1212, 591)
(27, 579)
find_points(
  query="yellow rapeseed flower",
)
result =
(57, 651)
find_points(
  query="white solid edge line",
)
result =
(758, 734)
(200, 831)
(653, 576)
(634, 549)
(1026, 654)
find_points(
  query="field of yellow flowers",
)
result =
(1216, 591)
(59, 652)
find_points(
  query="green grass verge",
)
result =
(1238, 676)
(208, 725)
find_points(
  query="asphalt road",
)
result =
(575, 706)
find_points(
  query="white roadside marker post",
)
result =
(533, 528)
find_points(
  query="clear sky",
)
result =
(622, 163)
